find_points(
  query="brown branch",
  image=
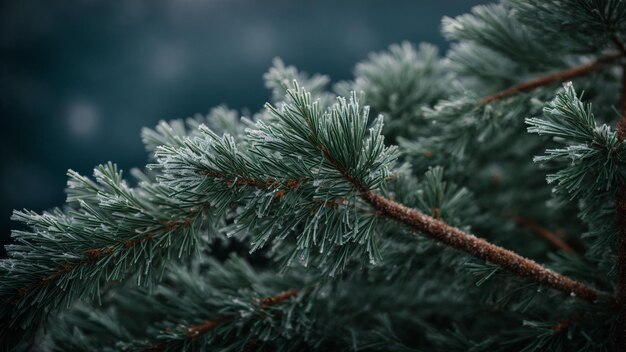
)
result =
(206, 326)
(552, 78)
(554, 239)
(92, 255)
(479, 248)
(196, 330)
(279, 298)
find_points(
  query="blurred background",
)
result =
(78, 79)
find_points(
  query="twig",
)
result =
(206, 326)
(196, 330)
(552, 78)
(555, 240)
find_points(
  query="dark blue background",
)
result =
(78, 79)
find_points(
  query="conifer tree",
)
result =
(471, 202)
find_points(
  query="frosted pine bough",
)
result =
(304, 227)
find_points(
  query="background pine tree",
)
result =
(337, 238)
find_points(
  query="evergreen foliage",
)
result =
(304, 227)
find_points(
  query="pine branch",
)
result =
(592, 172)
(451, 236)
(112, 231)
(309, 180)
(92, 255)
(196, 330)
(557, 77)
(206, 326)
